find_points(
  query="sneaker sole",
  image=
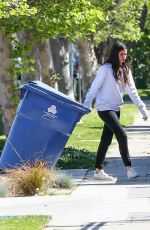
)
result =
(131, 178)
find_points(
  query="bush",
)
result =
(63, 181)
(30, 179)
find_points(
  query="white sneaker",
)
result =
(101, 175)
(131, 173)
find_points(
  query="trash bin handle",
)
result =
(32, 82)
(74, 105)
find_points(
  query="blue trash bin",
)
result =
(44, 120)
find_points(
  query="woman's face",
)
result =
(122, 55)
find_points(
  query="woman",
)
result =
(112, 80)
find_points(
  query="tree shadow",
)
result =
(93, 225)
(117, 223)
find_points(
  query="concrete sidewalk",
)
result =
(123, 204)
(119, 205)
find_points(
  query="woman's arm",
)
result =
(133, 93)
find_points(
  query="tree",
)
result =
(7, 89)
(68, 20)
(60, 53)
(88, 62)
(137, 42)
(34, 19)
(8, 10)
(28, 51)
(123, 23)
(71, 20)
(140, 52)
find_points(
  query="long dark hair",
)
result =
(114, 60)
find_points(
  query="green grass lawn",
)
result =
(23, 222)
(2, 142)
(82, 145)
(143, 93)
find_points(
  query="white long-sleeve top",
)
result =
(108, 93)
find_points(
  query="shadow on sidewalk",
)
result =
(137, 129)
(94, 226)
(114, 166)
(119, 225)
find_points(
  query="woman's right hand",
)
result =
(145, 117)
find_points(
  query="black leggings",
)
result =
(112, 126)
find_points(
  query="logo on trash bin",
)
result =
(52, 109)
(50, 113)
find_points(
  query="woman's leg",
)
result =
(111, 119)
(105, 141)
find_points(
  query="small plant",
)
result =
(63, 181)
(30, 179)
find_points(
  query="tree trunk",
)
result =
(46, 62)
(7, 94)
(87, 63)
(103, 50)
(31, 58)
(60, 52)
(143, 17)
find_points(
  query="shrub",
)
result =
(30, 179)
(63, 181)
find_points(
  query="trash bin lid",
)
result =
(45, 90)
